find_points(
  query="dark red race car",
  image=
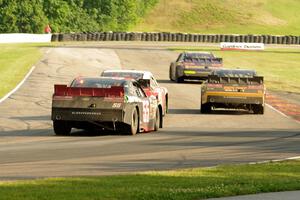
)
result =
(104, 103)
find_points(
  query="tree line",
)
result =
(65, 16)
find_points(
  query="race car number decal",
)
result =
(146, 111)
(116, 105)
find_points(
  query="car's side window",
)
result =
(180, 58)
(131, 89)
(141, 91)
(153, 83)
(137, 91)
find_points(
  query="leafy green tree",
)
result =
(8, 18)
(31, 16)
(127, 13)
(25, 16)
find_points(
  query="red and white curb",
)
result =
(281, 113)
(18, 86)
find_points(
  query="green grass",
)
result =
(280, 17)
(280, 67)
(181, 184)
(15, 62)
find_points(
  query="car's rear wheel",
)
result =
(178, 78)
(157, 120)
(171, 73)
(205, 108)
(133, 128)
(258, 109)
(166, 104)
(61, 127)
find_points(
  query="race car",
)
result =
(194, 66)
(233, 88)
(104, 103)
(148, 83)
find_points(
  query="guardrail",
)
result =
(175, 37)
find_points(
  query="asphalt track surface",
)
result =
(29, 148)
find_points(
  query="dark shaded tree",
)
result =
(31, 16)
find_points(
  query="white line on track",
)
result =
(277, 160)
(282, 113)
(18, 86)
(48, 51)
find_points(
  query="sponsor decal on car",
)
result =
(85, 113)
(146, 111)
(116, 105)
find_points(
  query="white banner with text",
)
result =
(242, 46)
(25, 38)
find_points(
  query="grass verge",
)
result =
(280, 17)
(198, 183)
(15, 62)
(280, 67)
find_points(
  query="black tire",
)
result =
(258, 109)
(61, 128)
(133, 128)
(157, 120)
(178, 78)
(205, 108)
(171, 73)
(166, 104)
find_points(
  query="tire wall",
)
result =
(175, 37)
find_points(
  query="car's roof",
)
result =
(197, 52)
(102, 78)
(146, 74)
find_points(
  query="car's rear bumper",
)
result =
(83, 114)
(195, 73)
(236, 98)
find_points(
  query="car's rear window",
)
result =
(130, 75)
(97, 82)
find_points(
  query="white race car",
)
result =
(151, 87)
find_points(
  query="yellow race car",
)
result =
(235, 89)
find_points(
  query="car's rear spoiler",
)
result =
(238, 80)
(64, 90)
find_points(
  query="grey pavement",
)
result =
(291, 195)
(29, 148)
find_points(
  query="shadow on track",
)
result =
(197, 82)
(183, 111)
(213, 112)
(49, 132)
